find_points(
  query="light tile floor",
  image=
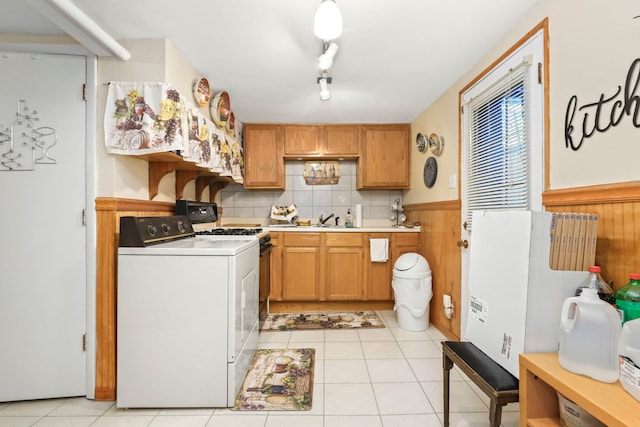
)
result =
(363, 378)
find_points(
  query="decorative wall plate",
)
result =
(421, 142)
(202, 91)
(436, 144)
(430, 172)
(220, 108)
(231, 124)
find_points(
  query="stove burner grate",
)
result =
(230, 232)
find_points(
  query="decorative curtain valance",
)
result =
(144, 117)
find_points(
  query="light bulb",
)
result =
(325, 95)
(327, 24)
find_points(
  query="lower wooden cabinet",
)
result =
(334, 266)
(300, 274)
(301, 267)
(380, 274)
(344, 267)
(378, 282)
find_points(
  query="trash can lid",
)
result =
(412, 263)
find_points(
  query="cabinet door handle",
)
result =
(462, 244)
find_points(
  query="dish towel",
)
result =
(379, 250)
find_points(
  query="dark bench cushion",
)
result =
(494, 374)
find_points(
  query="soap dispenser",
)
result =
(348, 220)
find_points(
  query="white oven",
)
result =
(204, 216)
(187, 315)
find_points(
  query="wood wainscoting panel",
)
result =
(440, 222)
(618, 237)
(108, 213)
(618, 207)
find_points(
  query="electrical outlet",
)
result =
(453, 180)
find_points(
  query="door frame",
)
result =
(91, 129)
(536, 38)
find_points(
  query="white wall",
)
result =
(592, 43)
(151, 60)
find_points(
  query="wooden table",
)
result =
(541, 376)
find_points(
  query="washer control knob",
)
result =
(181, 227)
(166, 228)
(152, 229)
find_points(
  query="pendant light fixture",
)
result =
(327, 24)
(324, 82)
(325, 61)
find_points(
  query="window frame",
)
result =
(533, 45)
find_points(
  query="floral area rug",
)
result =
(278, 380)
(299, 321)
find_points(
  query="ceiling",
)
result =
(395, 57)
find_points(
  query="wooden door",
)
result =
(344, 273)
(263, 157)
(384, 157)
(302, 140)
(341, 141)
(301, 274)
(378, 287)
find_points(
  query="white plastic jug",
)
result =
(589, 337)
(629, 350)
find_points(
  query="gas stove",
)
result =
(221, 231)
(203, 217)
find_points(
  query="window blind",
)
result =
(496, 120)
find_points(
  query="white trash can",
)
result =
(412, 288)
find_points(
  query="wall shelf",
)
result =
(161, 164)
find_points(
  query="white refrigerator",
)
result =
(515, 299)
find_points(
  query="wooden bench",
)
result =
(489, 376)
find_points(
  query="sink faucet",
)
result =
(323, 220)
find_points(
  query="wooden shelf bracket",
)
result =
(182, 178)
(157, 170)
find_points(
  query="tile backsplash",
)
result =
(311, 200)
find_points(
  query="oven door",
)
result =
(265, 277)
(243, 298)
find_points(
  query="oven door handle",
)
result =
(265, 248)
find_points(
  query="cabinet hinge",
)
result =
(84, 91)
(84, 342)
(84, 217)
(539, 73)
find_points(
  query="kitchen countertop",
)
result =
(340, 229)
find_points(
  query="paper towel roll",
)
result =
(357, 216)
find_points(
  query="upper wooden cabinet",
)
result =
(302, 140)
(263, 157)
(325, 141)
(382, 152)
(384, 157)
